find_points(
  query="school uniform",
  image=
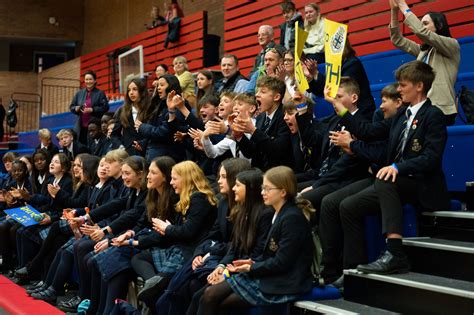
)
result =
(158, 135)
(282, 273)
(125, 136)
(420, 178)
(268, 145)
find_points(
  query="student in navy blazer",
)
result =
(282, 273)
(268, 146)
(87, 103)
(413, 173)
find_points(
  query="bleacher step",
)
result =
(440, 257)
(339, 307)
(397, 292)
(451, 214)
(453, 225)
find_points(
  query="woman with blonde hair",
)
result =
(186, 79)
(175, 242)
(314, 25)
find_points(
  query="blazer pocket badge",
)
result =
(273, 245)
(416, 146)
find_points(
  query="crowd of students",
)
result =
(211, 198)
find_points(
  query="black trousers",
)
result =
(383, 197)
(316, 196)
(330, 229)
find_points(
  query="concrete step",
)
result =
(410, 293)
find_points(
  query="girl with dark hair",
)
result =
(136, 107)
(12, 195)
(193, 275)
(40, 173)
(205, 84)
(282, 273)
(88, 102)
(158, 136)
(438, 49)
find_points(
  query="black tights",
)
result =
(82, 247)
(143, 265)
(60, 269)
(8, 242)
(219, 299)
(53, 242)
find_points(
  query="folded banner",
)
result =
(335, 40)
(300, 39)
(26, 215)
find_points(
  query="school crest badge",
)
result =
(416, 146)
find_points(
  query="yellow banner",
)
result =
(335, 40)
(300, 39)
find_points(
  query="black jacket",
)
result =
(99, 103)
(291, 25)
(423, 153)
(284, 267)
(271, 148)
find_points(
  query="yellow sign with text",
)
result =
(334, 42)
(300, 39)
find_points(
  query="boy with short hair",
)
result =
(69, 145)
(208, 107)
(416, 137)
(244, 103)
(44, 136)
(335, 168)
(267, 147)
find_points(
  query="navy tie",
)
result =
(402, 139)
(266, 124)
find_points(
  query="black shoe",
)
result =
(386, 264)
(150, 289)
(22, 273)
(41, 286)
(48, 295)
(20, 281)
(70, 305)
(34, 284)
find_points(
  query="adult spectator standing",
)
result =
(232, 79)
(438, 49)
(314, 25)
(88, 102)
(265, 40)
(287, 29)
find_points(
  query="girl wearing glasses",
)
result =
(282, 273)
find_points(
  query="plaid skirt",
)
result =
(249, 289)
(167, 260)
(35, 233)
(114, 260)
